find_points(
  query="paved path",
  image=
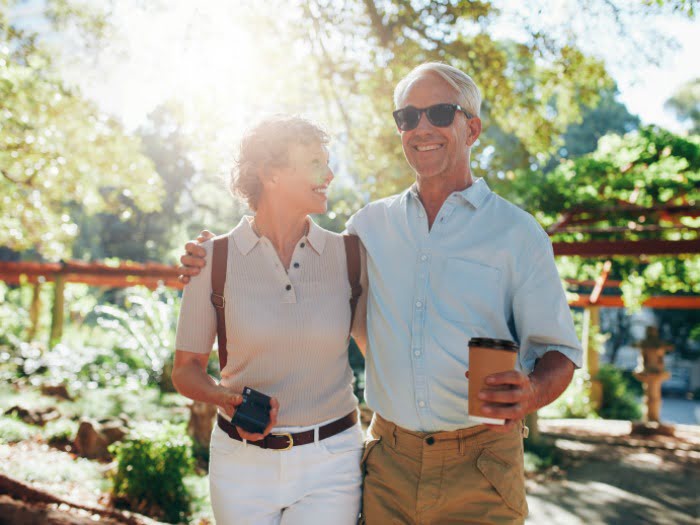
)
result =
(609, 482)
(679, 410)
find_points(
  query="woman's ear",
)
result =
(268, 176)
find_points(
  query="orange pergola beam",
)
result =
(636, 248)
(683, 302)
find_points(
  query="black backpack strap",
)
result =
(352, 254)
(218, 281)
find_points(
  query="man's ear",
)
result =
(474, 127)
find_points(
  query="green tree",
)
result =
(685, 103)
(608, 116)
(531, 91)
(148, 235)
(58, 150)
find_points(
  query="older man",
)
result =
(448, 260)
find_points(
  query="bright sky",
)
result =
(644, 86)
(211, 57)
(644, 90)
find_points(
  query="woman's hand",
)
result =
(275, 406)
(229, 401)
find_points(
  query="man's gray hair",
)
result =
(468, 93)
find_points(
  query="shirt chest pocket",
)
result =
(469, 293)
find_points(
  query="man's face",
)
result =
(305, 178)
(430, 150)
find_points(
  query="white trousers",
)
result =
(318, 483)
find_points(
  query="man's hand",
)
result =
(512, 395)
(507, 395)
(229, 401)
(193, 260)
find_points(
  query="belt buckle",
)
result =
(289, 437)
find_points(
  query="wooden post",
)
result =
(34, 310)
(57, 311)
(593, 357)
(591, 362)
(591, 328)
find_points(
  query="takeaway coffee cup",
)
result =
(486, 357)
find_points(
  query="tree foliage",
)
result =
(623, 191)
(685, 103)
(58, 150)
(532, 91)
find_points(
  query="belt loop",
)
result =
(393, 435)
(245, 442)
(461, 440)
(316, 440)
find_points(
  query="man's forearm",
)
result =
(551, 376)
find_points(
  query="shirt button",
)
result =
(302, 244)
(423, 257)
(418, 304)
(417, 353)
(421, 214)
(421, 404)
(288, 287)
(296, 265)
(429, 440)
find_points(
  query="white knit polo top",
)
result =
(287, 331)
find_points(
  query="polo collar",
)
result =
(474, 194)
(316, 236)
(246, 239)
(244, 236)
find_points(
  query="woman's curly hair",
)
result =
(267, 145)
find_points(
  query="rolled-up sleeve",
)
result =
(541, 312)
(196, 325)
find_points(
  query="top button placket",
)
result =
(286, 286)
(420, 379)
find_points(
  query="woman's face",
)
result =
(303, 183)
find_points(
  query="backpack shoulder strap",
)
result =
(352, 254)
(218, 280)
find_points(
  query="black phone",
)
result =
(253, 415)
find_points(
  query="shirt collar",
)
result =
(474, 194)
(244, 236)
(316, 236)
(246, 239)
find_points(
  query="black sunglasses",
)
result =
(440, 115)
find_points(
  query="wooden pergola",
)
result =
(630, 230)
(152, 275)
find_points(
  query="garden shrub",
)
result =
(575, 401)
(151, 467)
(619, 400)
(540, 454)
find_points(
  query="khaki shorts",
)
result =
(472, 475)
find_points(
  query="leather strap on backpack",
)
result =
(352, 254)
(218, 280)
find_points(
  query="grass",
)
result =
(13, 430)
(55, 471)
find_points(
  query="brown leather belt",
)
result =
(285, 441)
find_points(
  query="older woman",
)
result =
(287, 319)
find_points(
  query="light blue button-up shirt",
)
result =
(485, 269)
